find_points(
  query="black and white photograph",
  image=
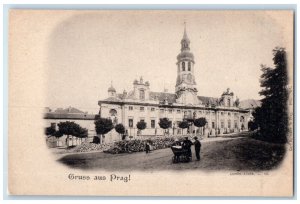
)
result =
(138, 97)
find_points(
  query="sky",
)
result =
(89, 50)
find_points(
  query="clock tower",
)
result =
(186, 91)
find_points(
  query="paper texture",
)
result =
(46, 46)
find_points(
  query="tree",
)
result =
(81, 133)
(50, 131)
(272, 116)
(200, 122)
(141, 125)
(252, 125)
(102, 126)
(183, 124)
(69, 128)
(164, 123)
(120, 129)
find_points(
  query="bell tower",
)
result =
(186, 91)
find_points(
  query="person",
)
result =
(147, 147)
(197, 144)
(186, 144)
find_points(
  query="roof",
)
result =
(69, 116)
(161, 96)
(208, 100)
(250, 103)
(68, 110)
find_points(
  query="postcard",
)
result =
(151, 102)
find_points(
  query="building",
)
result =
(224, 114)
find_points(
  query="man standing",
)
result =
(197, 144)
(186, 144)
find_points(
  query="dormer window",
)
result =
(228, 102)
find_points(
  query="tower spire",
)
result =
(184, 34)
(185, 42)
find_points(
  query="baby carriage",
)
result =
(180, 154)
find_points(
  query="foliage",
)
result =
(50, 131)
(252, 125)
(120, 128)
(272, 117)
(103, 125)
(200, 122)
(165, 123)
(69, 128)
(183, 124)
(141, 125)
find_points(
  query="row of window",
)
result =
(179, 111)
(152, 123)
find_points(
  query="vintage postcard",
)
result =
(151, 103)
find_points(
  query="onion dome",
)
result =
(185, 55)
(111, 89)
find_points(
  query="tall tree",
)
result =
(164, 123)
(272, 116)
(102, 126)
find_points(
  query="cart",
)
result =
(180, 154)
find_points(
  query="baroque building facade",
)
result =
(223, 114)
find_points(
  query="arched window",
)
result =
(183, 66)
(189, 66)
(113, 112)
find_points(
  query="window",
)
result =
(142, 120)
(228, 101)
(212, 124)
(142, 94)
(142, 108)
(229, 113)
(189, 66)
(170, 110)
(130, 108)
(130, 123)
(222, 124)
(152, 109)
(235, 124)
(183, 66)
(200, 112)
(229, 124)
(161, 110)
(152, 123)
(178, 111)
(113, 112)
(222, 113)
